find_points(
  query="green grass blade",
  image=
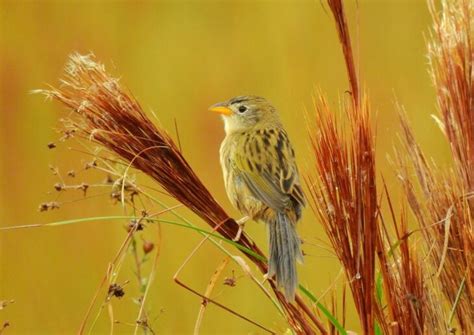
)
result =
(124, 217)
(456, 301)
(66, 222)
(324, 310)
(377, 329)
(379, 288)
(213, 234)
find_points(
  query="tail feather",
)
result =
(284, 252)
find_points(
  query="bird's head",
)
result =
(245, 112)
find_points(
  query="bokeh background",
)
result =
(179, 57)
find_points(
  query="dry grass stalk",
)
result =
(337, 9)
(410, 307)
(451, 53)
(440, 205)
(210, 287)
(347, 205)
(106, 114)
(444, 205)
(346, 202)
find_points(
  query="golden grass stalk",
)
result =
(106, 114)
(443, 202)
(451, 53)
(440, 204)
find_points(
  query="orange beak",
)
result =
(219, 108)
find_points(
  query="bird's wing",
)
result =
(266, 162)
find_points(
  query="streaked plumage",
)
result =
(262, 181)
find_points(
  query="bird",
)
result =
(262, 181)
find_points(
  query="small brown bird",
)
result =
(262, 181)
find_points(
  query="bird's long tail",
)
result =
(284, 252)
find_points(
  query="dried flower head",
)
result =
(116, 290)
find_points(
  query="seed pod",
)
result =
(148, 247)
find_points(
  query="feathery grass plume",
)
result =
(451, 53)
(440, 204)
(346, 203)
(443, 201)
(108, 115)
(409, 305)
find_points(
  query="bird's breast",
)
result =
(238, 192)
(227, 157)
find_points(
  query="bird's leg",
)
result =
(241, 223)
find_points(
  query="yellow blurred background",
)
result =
(179, 57)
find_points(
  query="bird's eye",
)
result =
(242, 109)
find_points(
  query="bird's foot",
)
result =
(241, 223)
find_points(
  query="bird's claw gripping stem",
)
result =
(241, 223)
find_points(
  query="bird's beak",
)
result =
(221, 109)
